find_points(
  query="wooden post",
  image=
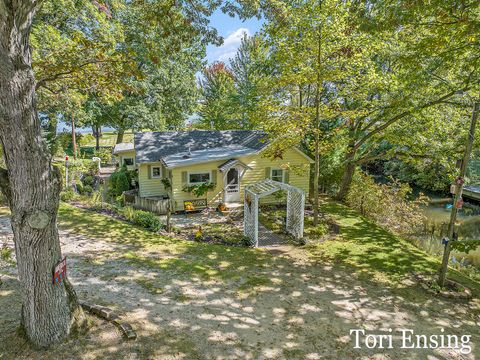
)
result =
(458, 194)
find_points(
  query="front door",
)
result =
(232, 188)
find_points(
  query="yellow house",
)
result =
(171, 164)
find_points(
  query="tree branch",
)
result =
(405, 114)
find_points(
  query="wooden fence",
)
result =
(157, 206)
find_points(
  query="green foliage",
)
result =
(121, 180)
(465, 246)
(218, 89)
(118, 183)
(246, 241)
(166, 183)
(68, 195)
(105, 154)
(129, 213)
(387, 204)
(147, 220)
(199, 189)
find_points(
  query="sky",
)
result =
(231, 29)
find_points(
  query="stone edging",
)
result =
(108, 314)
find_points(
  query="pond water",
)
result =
(438, 216)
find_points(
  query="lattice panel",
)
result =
(295, 213)
(295, 208)
(250, 216)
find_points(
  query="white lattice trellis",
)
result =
(295, 207)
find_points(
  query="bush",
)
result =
(387, 204)
(129, 213)
(87, 189)
(147, 220)
(88, 180)
(105, 154)
(246, 241)
(68, 195)
(118, 183)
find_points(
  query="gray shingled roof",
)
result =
(122, 147)
(188, 147)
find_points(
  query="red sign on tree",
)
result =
(60, 272)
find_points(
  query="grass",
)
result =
(362, 248)
(371, 251)
(182, 258)
(107, 139)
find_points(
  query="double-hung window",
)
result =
(277, 175)
(156, 172)
(128, 161)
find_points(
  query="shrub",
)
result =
(147, 220)
(87, 189)
(105, 154)
(118, 183)
(68, 195)
(387, 204)
(246, 241)
(88, 180)
(129, 213)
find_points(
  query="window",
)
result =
(277, 175)
(128, 161)
(198, 178)
(156, 171)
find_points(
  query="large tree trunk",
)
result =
(348, 174)
(31, 185)
(120, 134)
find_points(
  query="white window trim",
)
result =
(128, 157)
(151, 172)
(283, 173)
(209, 172)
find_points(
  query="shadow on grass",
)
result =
(372, 250)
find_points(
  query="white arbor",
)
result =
(295, 207)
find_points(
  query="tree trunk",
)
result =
(458, 195)
(52, 140)
(31, 185)
(120, 134)
(97, 132)
(347, 176)
(74, 138)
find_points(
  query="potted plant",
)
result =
(189, 206)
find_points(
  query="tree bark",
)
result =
(31, 185)
(348, 174)
(458, 195)
(74, 138)
(97, 132)
(120, 134)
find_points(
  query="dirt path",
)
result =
(304, 311)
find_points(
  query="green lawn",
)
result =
(108, 139)
(186, 258)
(372, 252)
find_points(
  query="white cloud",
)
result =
(230, 44)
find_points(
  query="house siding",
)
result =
(291, 158)
(180, 196)
(258, 164)
(150, 187)
(127, 154)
